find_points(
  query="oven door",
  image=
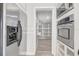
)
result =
(66, 34)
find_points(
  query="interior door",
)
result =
(43, 35)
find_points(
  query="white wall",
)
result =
(76, 28)
(31, 27)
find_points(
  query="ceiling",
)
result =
(44, 16)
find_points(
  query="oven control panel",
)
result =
(66, 20)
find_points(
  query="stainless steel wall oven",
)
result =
(66, 31)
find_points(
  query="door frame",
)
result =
(35, 9)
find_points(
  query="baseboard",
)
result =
(53, 52)
(29, 53)
(23, 53)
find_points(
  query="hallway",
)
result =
(44, 47)
(44, 29)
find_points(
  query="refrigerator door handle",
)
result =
(19, 33)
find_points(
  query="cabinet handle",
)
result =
(78, 51)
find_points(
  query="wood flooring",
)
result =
(43, 47)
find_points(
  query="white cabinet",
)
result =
(63, 49)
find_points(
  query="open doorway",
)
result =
(44, 32)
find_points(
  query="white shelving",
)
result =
(44, 30)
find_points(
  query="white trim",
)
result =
(35, 27)
(21, 8)
(23, 53)
(13, 16)
(54, 32)
(29, 53)
(4, 28)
